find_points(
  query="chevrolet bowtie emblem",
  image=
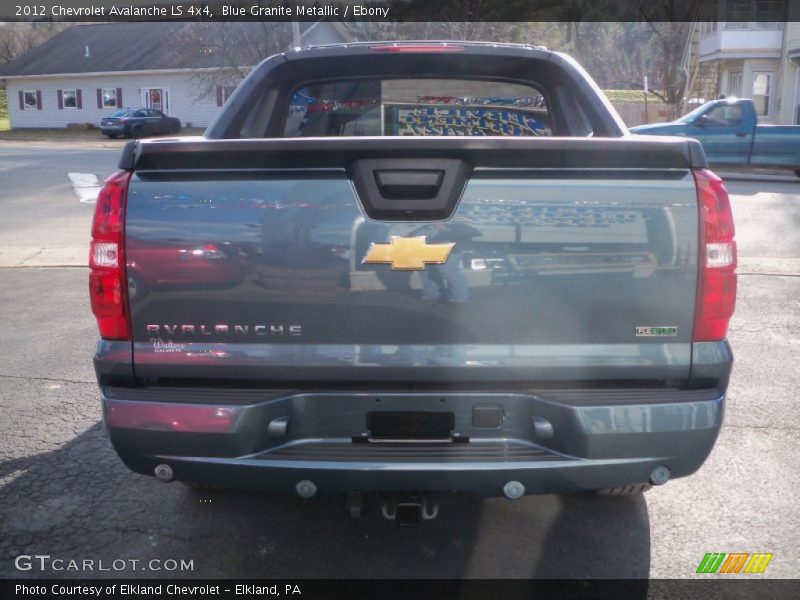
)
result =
(408, 254)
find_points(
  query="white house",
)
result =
(87, 72)
(755, 50)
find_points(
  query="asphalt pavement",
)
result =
(43, 221)
(64, 493)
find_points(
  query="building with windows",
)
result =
(87, 72)
(754, 52)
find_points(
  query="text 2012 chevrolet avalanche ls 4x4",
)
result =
(403, 268)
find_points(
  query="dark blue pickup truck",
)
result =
(730, 134)
(394, 269)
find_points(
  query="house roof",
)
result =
(112, 47)
(132, 46)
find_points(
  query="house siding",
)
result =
(750, 50)
(790, 94)
(186, 98)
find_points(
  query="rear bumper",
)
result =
(551, 441)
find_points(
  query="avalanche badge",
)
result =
(408, 254)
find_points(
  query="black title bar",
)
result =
(384, 10)
(705, 587)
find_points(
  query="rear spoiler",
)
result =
(495, 153)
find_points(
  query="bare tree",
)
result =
(227, 50)
(17, 39)
(671, 23)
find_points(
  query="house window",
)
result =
(738, 14)
(753, 14)
(109, 98)
(762, 88)
(69, 98)
(709, 27)
(155, 99)
(224, 92)
(29, 98)
(735, 84)
(768, 14)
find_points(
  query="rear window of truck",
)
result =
(417, 107)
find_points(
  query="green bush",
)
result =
(4, 124)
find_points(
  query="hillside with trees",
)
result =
(18, 38)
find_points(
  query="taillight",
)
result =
(414, 48)
(716, 287)
(107, 279)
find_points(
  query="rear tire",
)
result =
(625, 490)
(111, 136)
(137, 132)
(797, 172)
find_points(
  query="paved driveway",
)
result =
(63, 492)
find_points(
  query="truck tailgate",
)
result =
(271, 260)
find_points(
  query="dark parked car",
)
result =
(139, 122)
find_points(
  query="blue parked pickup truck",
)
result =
(730, 135)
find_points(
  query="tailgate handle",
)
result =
(408, 184)
(425, 188)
